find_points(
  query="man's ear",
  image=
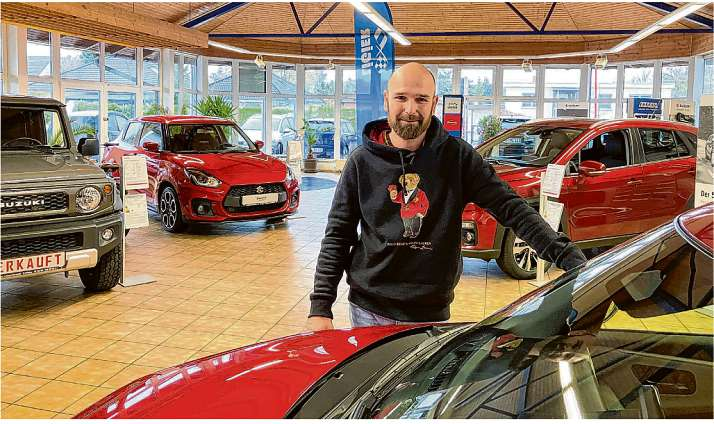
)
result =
(433, 107)
(386, 101)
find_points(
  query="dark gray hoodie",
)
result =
(406, 260)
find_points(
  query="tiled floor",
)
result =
(217, 287)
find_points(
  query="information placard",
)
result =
(134, 172)
(136, 214)
(552, 213)
(552, 180)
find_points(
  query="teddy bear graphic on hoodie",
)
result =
(413, 203)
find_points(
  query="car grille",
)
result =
(39, 245)
(40, 202)
(247, 190)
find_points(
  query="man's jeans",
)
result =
(363, 318)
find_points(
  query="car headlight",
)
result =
(88, 199)
(289, 175)
(201, 178)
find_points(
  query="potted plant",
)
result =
(309, 164)
(217, 106)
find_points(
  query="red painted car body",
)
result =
(239, 173)
(599, 210)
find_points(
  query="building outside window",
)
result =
(283, 86)
(477, 86)
(561, 85)
(79, 58)
(639, 82)
(603, 92)
(320, 110)
(709, 75)
(39, 53)
(519, 96)
(251, 108)
(350, 136)
(675, 79)
(119, 65)
(151, 77)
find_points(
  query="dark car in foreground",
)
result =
(622, 178)
(203, 169)
(550, 354)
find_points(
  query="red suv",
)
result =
(623, 177)
(206, 169)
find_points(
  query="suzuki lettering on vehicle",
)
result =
(16, 203)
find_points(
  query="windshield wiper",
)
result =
(411, 360)
(499, 161)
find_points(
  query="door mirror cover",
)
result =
(591, 168)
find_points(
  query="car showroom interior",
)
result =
(357, 209)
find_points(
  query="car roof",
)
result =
(183, 119)
(30, 100)
(591, 123)
(697, 226)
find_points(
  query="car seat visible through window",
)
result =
(615, 150)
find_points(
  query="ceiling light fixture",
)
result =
(330, 65)
(368, 11)
(527, 65)
(665, 21)
(259, 62)
(601, 61)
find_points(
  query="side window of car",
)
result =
(660, 144)
(152, 132)
(688, 140)
(610, 148)
(131, 131)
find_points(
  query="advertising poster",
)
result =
(644, 107)
(451, 118)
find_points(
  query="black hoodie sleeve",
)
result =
(340, 237)
(488, 191)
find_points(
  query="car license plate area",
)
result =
(259, 199)
(32, 264)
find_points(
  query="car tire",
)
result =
(170, 211)
(517, 258)
(105, 274)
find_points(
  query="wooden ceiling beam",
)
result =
(102, 21)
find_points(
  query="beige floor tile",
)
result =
(103, 311)
(14, 387)
(71, 308)
(112, 330)
(165, 356)
(87, 400)
(194, 306)
(151, 334)
(187, 339)
(160, 303)
(282, 331)
(40, 322)
(174, 320)
(22, 412)
(76, 325)
(45, 341)
(61, 416)
(129, 374)
(12, 359)
(83, 346)
(49, 366)
(228, 342)
(248, 329)
(92, 372)
(211, 324)
(123, 351)
(55, 396)
(10, 336)
(231, 311)
(137, 316)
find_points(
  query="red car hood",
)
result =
(258, 381)
(235, 168)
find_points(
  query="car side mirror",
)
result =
(260, 144)
(88, 146)
(151, 146)
(591, 168)
(109, 167)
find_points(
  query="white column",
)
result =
(497, 89)
(56, 66)
(657, 80)
(584, 92)
(140, 82)
(337, 145)
(619, 92)
(268, 110)
(540, 89)
(16, 53)
(235, 74)
(300, 96)
(167, 79)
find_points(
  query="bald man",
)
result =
(406, 188)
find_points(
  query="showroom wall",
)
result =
(101, 79)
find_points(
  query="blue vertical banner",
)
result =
(374, 64)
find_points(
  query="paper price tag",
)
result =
(136, 214)
(552, 180)
(134, 172)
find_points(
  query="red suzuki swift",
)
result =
(623, 177)
(206, 169)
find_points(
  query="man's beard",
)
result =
(409, 130)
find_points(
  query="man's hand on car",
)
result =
(316, 323)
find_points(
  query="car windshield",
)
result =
(208, 138)
(33, 129)
(255, 122)
(629, 335)
(528, 145)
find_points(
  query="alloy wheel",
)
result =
(524, 256)
(169, 209)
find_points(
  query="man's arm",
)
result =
(340, 237)
(488, 191)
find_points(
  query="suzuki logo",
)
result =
(17, 203)
(260, 190)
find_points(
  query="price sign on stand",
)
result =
(134, 177)
(295, 157)
(551, 183)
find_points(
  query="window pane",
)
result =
(602, 110)
(709, 75)
(120, 64)
(251, 79)
(122, 107)
(639, 81)
(39, 89)
(283, 123)
(320, 114)
(474, 111)
(83, 112)
(476, 82)
(320, 81)
(151, 67)
(349, 81)
(562, 83)
(517, 82)
(521, 111)
(39, 59)
(251, 116)
(675, 77)
(284, 79)
(603, 83)
(79, 58)
(220, 76)
(349, 136)
(189, 73)
(661, 145)
(444, 81)
(177, 71)
(151, 102)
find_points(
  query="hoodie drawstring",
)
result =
(411, 157)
